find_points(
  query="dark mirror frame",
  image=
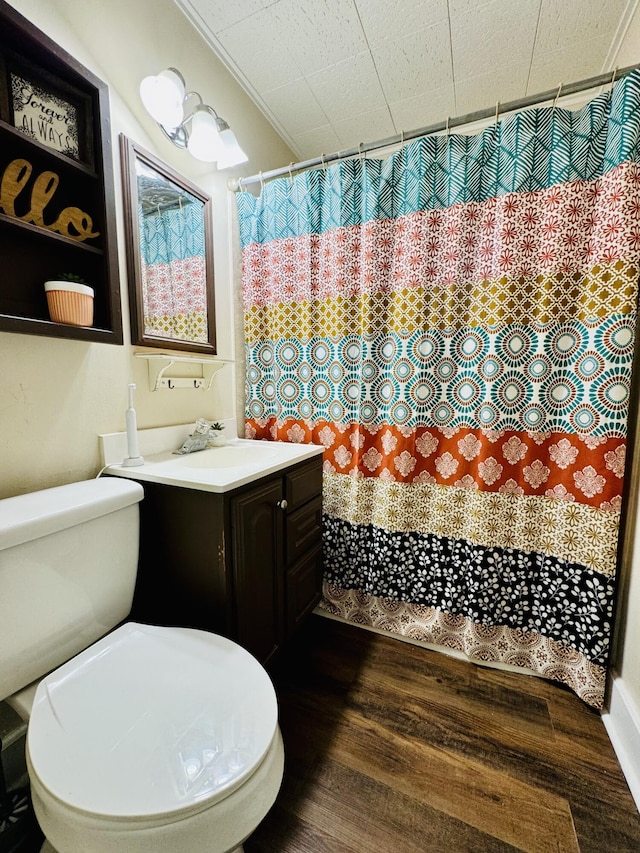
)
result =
(132, 153)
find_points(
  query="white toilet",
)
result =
(150, 740)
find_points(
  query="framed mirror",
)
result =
(169, 231)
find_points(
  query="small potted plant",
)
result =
(70, 300)
(216, 436)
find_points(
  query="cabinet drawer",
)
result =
(304, 588)
(304, 529)
(304, 483)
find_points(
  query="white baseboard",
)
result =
(622, 722)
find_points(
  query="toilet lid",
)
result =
(151, 721)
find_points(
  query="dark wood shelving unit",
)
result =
(45, 186)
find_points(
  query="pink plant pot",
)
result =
(69, 302)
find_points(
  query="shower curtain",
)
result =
(173, 272)
(455, 324)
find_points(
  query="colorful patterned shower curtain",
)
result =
(456, 324)
(174, 272)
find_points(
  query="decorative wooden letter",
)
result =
(16, 175)
(71, 222)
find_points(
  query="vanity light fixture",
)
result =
(199, 129)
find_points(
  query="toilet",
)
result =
(141, 738)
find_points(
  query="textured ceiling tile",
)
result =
(462, 8)
(507, 82)
(347, 88)
(294, 107)
(415, 64)
(216, 15)
(423, 110)
(318, 33)
(629, 52)
(322, 140)
(368, 127)
(574, 62)
(256, 47)
(562, 24)
(492, 34)
(382, 19)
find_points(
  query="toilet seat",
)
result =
(151, 724)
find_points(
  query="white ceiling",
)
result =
(331, 74)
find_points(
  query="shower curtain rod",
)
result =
(236, 184)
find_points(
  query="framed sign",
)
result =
(44, 116)
(47, 109)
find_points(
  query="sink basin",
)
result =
(230, 456)
(217, 469)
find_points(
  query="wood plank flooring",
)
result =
(390, 748)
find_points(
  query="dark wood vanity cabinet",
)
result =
(246, 563)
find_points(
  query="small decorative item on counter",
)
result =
(216, 435)
(198, 439)
(70, 300)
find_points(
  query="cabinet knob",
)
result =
(282, 504)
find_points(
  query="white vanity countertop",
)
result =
(217, 469)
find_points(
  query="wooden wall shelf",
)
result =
(36, 231)
(159, 363)
(69, 183)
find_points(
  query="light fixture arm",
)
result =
(179, 134)
(186, 98)
(201, 106)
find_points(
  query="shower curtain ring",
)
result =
(362, 153)
(447, 126)
(290, 175)
(497, 113)
(261, 182)
(555, 100)
(613, 76)
(322, 160)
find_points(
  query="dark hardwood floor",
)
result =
(390, 748)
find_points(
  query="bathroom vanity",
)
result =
(230, 541)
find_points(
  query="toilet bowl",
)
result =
(154, 739)
(141, 738)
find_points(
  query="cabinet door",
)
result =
(257, 523)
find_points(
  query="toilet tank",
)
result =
(68, 563)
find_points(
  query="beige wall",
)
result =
(56, 396)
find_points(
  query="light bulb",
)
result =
(163, 97)
(232, 154)
(204, 140)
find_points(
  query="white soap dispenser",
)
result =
(133, 457)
